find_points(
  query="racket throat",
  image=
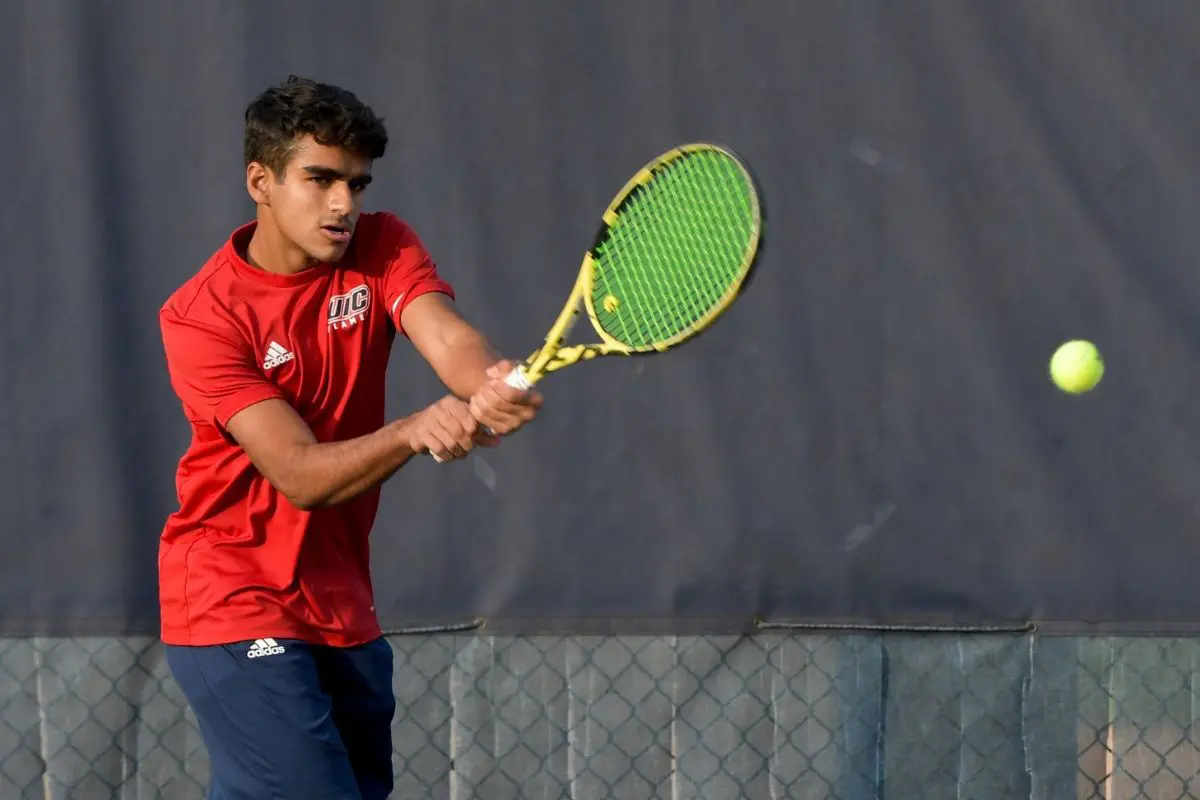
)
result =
(547, 357)
(566, 356)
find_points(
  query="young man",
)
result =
(277, 349)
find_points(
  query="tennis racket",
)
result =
(675, 249)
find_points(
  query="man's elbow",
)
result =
(297, 487)
(303, 501)
(298, 495)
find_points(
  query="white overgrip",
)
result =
(517, 379)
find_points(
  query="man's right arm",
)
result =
(312, 474)
(216, 376)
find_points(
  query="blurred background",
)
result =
(852, 543)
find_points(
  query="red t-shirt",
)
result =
(237, 560)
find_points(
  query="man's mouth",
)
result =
(337, 233)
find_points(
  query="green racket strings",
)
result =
(678, 246)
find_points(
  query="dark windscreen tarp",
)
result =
(954, 189)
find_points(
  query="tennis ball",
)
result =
(611, 303)
(1076, 367)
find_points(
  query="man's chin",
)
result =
(328, 252)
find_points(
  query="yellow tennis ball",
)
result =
(611, 303)
(1077, 367)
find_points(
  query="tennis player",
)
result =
(277, 350)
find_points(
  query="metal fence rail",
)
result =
(766, 716)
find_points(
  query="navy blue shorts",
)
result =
(288, 719)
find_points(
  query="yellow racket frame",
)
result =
(552, 355)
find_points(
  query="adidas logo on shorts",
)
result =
(264, 647)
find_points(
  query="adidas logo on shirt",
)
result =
(277, 354)
(264, 647)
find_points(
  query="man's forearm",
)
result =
(458, 352)
(332, 473)
(465, 359)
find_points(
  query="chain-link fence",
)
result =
(768, 716)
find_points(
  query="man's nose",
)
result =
(340, 200)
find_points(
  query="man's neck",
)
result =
(270, 251)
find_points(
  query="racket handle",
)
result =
(517, 379)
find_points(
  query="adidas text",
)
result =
(264, 647)
(277, 354)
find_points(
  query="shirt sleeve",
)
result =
(409, 270)
(214, 374)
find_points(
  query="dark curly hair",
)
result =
(281, 115)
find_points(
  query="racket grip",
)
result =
(517, 379)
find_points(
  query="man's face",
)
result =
(317, 202)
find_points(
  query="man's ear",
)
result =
(258, 183)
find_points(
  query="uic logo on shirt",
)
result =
(349, 309)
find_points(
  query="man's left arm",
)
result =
(467, 363)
